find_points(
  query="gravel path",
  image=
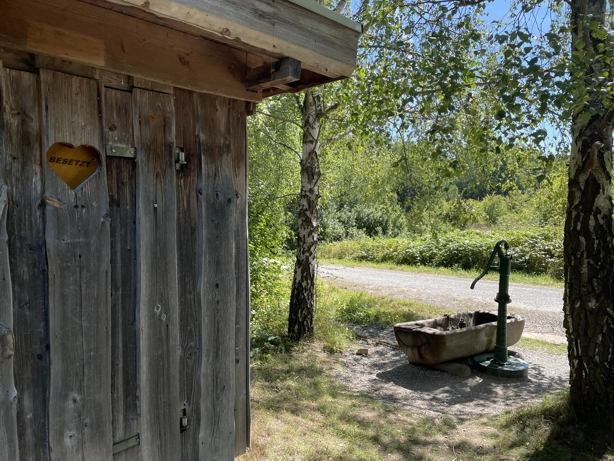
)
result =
(386, 375)
(541, 307)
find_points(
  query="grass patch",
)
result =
(300, 412)
(362, 308)
(542, 280)
(537, 344)
(337, 307)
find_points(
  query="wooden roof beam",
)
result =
(324, 41)
(86, 34)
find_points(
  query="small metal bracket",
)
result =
(125, 444)
(183, 419)
(180, 161)
(120, 151)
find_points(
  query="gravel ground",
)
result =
(385, 375)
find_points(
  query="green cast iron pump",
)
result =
(499, 362)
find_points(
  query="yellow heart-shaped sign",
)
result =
(74, 165)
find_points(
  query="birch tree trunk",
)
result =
(302, 299)
(589, 258)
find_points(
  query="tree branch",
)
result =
(299, 104)
(281, 119)
(337, 137)
(280, 143)
(330, 109)
(340, 6)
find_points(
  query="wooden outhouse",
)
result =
(124, 281)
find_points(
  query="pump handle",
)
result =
(496, 251)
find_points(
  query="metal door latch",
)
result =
(180, 161)
(183, 419)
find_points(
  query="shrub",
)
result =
(494, 208)
(535, 251)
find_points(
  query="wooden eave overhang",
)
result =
(243, 49)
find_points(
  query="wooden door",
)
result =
(128, 296)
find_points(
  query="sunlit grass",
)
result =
(537, 344)
(337, 307)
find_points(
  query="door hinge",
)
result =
(125, 444)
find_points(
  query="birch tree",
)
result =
(302, 299)
(589, 256)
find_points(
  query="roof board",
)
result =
(323, 40)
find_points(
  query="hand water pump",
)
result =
(499, 362)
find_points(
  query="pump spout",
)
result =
(497, 251)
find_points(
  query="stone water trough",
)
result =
(454, 336)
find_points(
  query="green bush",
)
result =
(535, 251)
(368, 220)
(270, 282)
(494, 208)
(461, 213)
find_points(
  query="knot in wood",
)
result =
(7, 343)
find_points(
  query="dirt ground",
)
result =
(385, 374)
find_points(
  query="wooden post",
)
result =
(218, 288)
(239, 169)
(189, 247)
(9, 447)
(23, 173)
(118, 129)
(154, 130)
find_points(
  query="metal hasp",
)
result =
(499, 362)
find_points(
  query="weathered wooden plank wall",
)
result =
(146, 290)
(154, 130)
(9, 446)
(218, 289)
(239, 174)
(23, 176)
(78, 253)
(118, 129)
(189, 246)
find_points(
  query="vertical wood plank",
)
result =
(239, 170)
(189, 247)
(218, 289)
(78, 255)
(154, 130)
(121, 177)
(23, 176)
(9, 446)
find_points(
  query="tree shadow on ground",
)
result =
(567, 439)
(296, 389)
